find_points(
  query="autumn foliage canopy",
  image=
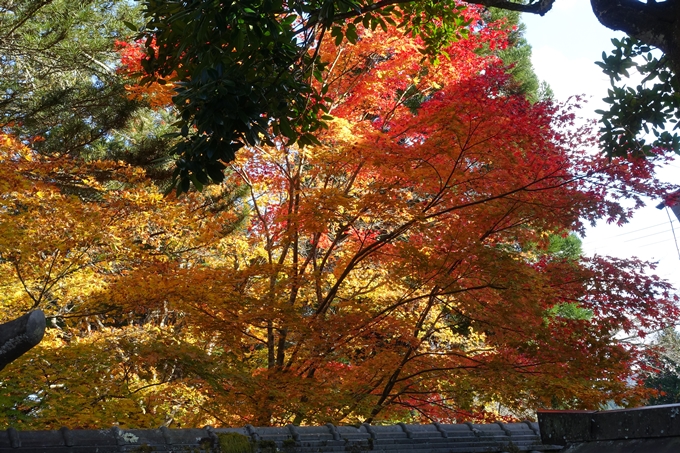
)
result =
(397, 270)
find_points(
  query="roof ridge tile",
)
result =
(165, 431)
(504, 428)
(409, 434)
(334, 431)
(295, 434)
(370, 430)
(440, 429)
(250, 429)
(66, 435)
(14, 439)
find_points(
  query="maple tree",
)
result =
(399, 267)
(662, 373)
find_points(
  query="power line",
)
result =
(653, 243)
(640, 229)
(614, 239)
(646, 236)
(627, 233)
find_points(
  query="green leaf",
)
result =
(287, 130)
(337, 33)
(131, 26)
(351, 33)
(197, 183)
(183, 186)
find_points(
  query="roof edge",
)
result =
(567, 427)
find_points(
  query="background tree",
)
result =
(517, 54)
(663, 368)
(58, 73)
(63, 88)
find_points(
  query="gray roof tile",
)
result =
(400, 438)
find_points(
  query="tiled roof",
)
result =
(400, 438)
(652, 429)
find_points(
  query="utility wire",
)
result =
(628, 232)
(647, 235)
(613, 238)
(640, 229)
(650, 244)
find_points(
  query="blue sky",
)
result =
(566, 42)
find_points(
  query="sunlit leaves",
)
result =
(70, 229)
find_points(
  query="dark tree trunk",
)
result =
(655, 24)
(20, 335)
